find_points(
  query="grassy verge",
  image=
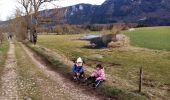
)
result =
(105, 89)
(3, 55)
(28, 88)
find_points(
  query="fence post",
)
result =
(140, 79)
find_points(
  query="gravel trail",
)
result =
(9, 89)
(66, 86)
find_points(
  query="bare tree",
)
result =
(18, 26)
(32, 8)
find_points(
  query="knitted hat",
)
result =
(79, 60)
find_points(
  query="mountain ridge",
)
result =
(143, 12)
(152, 12)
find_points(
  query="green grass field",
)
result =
(120, 62)
(152, 37)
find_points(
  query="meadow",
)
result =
(151, 37)
(122, 62)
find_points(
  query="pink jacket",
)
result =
(99, 74)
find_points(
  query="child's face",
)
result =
(79, 64)
(98, 68)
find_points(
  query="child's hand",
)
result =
(74, 77)
(78, 74)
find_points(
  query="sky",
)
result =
(7, 6)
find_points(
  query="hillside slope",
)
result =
(149, 12)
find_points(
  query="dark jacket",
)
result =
(77, 69)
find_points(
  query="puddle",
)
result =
(88, 37)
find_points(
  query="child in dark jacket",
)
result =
(97, 77)
(78, 71)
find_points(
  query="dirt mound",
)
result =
(120, 41)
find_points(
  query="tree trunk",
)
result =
(34, 36)
(30, 37)
(35, 28)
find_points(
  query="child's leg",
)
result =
(89, 78)
(74, 76)
(98, 82)
(82, 75)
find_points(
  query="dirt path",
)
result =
(9, 77)
(66, 86)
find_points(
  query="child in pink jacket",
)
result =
(97, 77)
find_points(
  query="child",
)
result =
(97, 77)
(78, 71)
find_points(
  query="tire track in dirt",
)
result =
(9, 89)
(33, 84)
(67, 87)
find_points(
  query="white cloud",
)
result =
(7, 6)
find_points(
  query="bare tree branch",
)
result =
(32, 8)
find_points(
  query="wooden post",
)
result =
(140, 79)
